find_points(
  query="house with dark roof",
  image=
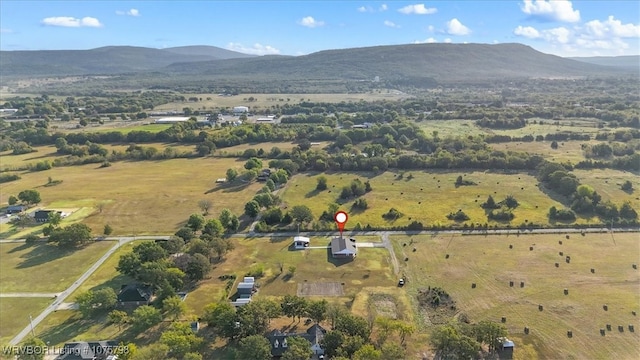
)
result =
(15, 209)
(134, 295)
(43, 215)
(313, 335)
(89, 350)
(343, 248)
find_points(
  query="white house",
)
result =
(300, 242)
(237, 110)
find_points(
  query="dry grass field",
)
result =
(43, 267)
(266, 146)
(150, 197)
(427, 198)
(607, 183)
(488, 262)
(566, 151)
(14, 315)
(267, 100)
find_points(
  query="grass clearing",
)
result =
(427, 198)
(567, 150)
(268, 100)
(43, 267)
(608, 182)
(15, 312)
(488, 262)
(151, 197)
(266, 146)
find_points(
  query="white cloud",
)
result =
(559, 35)
(130, 12)
(495, 42)
(68, 21)
(431, 28)
(527, 31)
(365, 9)
(558, 10)
(419, 9)
(383, 7)
(611, 27)
(427, 41)
(455, 27)
(391, 24)
(256, 49)
(310, 22)
(447, 41)
(5, 31)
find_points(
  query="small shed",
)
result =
(15, 209)
(221, 181)
(506, 348)
(246, 288)
(300, 242)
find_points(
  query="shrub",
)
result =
(256, 270)
(322, 183)
(458, 216)
(392, 214)
(502, 215)
(360, 204)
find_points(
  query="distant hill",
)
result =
(211, 51)
(104, 60)
(631, 61)
(417, 62)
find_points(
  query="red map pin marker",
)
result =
(341, 218)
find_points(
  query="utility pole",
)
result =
(31, 322)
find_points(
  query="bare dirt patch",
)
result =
(320, 289)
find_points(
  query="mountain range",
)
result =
(415, 62)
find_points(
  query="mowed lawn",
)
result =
(427, 198)
(488, 262)
(14, 315)
(372, 267)
(141, 197)
(43, 267)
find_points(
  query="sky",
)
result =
(564, 28)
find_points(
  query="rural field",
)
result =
(268, 100)
(607, 183)
(426, 198)
(455, 262)
(15, 312)
(151, 197)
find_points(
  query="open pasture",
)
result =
(608, 182)
(488, 262)
(266, 146)
(426, 198)
(150, 197)
(210, 101)
(566, 151)
(14, 315)
(43, 267)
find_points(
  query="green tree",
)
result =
(225, 217)
(118, 317)
(321, 183)
(196, 222)
(72, 235)
(145, 317)
(205, 205)
(149, 251)
(626, 186)
(353, 325)
(270, 185)
(14, 200)
(332, 342)
(198, 267)
(33, 343)
(393, 351)
(232, 174)
(213, 227)
(54, 218)
(251, 209)
(192, 356)
(125, 351)
(29, 197)
(253, 163)
(294, 306)
(367, 352)
(317, 310)
(221, 246)
(31, 239)
(298, 348)
(174, 307)
(107, 229)
(185, 233)
(301, 213)
(155, 351)
(254, 347)
(489, 333)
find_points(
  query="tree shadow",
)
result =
(70, 329)
(229, 187)
(553, 195)
(43, 253)
(312, 193)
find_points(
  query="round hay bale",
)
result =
(404, 244)
(511, 283)
(530, 248)
(567, 237)
(473, 285)
(414, 249)
(406, 259)
(504, 319)
(540, 307)
(401, 193)
(521, 284)
(602, 332)
(526, 330)
(560, 242)
(620, 328)
(631, 328)
(633, 313)
(419, 202)
(446, 256)
(608, 327)
(510, 246)
(561, 253)
(635, 266)
(566, 291)
(557, 265)
(593, 271)
(569, 334)
(605, 307)
(329, 190)
(420, 189)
